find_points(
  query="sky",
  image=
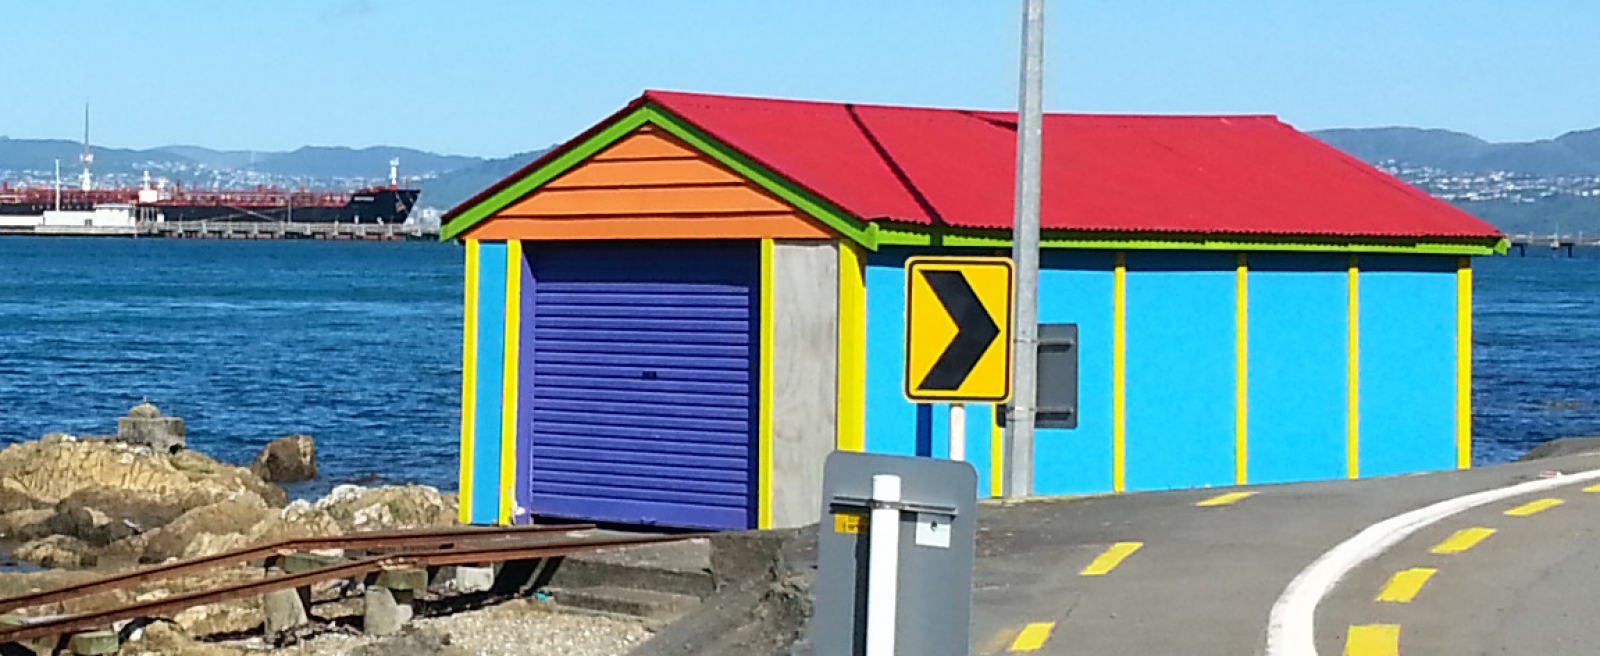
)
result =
(495, 77)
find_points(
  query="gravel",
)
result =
(515, 628)
(528, 627)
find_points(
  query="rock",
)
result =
(57, 551)
(145, 426)
(226, 617)
(290, 524)
(288, 459)
(238, 515)
(124, 482)
(140, 513)
(88, 524)
(16, 524)
(165, 639)
(1564, 446)
(211, 544)
(388, 508)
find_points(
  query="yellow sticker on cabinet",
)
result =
(848, 523)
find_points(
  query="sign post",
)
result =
(958, 335)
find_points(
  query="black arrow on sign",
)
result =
(975, 331)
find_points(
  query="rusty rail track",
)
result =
(450, 556)
(428, 539)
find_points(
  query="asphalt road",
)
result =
(1157, 573)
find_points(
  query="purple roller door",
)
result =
(644, 383)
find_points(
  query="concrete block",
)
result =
(284, 610)
(145, 425)
(303, 562)
(44, 645)
(94, 643)
(474, 578)
(647, 604)
(411, 579)
(386, 613)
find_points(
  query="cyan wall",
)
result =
(1298, 357)
(1181, 420)
(1408, 356)
(1180, 370)
(1079, 287)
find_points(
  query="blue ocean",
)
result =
(359, 344)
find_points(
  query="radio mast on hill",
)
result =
(86, 182)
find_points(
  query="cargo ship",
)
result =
(389, 204)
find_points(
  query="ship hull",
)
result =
(387, 206)
(374, 206)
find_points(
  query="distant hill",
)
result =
(1561, 214)
(1573, 153)
(41, 154)
(329, 162)
(217, 159)
(315, 162)
(451, 189)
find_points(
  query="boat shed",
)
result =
(675, 316)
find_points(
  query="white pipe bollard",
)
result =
(883, 566)
(958, 431)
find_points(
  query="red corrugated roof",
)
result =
(1187, 174)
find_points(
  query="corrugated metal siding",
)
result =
(644, 383)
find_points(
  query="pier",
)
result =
(237, 230)
(1556, 244)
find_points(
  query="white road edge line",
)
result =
(1291, 629)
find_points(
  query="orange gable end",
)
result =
(649, 185)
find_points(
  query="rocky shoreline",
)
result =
(77, 508)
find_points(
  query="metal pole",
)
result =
(1018, 480)
(883, 566)
(958, 431)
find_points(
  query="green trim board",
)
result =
(901, 234)
(873, 235)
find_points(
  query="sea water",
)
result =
(359, 345)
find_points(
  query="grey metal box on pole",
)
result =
(934, 543)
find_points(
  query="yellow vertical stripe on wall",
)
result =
(764, 439)
(469, 380)
(1241, 379)
(852, 371)
(1464, 363)
(997, 453)
(1119, 374)
(508, 417)
(1353, 373)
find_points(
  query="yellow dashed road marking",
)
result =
(1225, 499)
(1534, 506)
(996, 644)
(1592, 488)
(1463, 540)
(1405, 584)
(1373, 640)
(1033, 636)
(1111, 558)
